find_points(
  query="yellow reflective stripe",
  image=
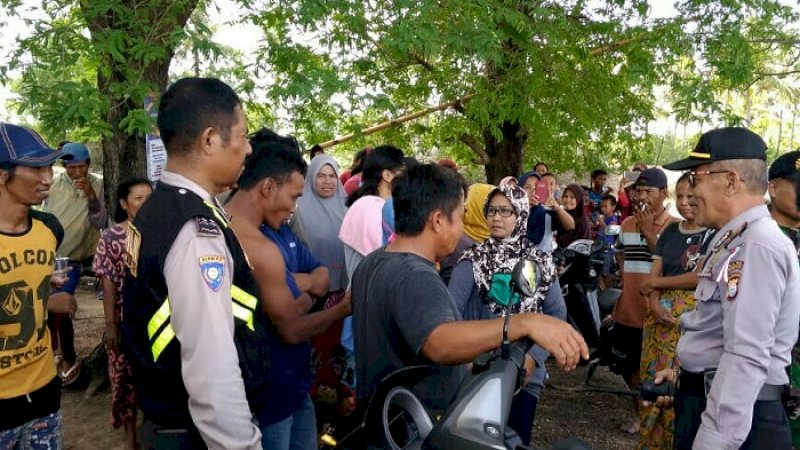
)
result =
(217, 214)
(700, 155)
(159, 318)
(164, 338)
(243, 297)
(242, 313)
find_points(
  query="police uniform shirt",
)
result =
(198, 271)
(745, 324)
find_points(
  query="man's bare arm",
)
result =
(276, 297)
(315, 283)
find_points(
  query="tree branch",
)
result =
(473, 143)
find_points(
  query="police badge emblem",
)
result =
(212, 269)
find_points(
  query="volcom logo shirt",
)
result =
(26, 263)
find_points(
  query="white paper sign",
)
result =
(156, 152)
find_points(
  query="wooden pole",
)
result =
(396, 121)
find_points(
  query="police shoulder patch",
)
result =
(734, 275)
(207, 227)
(212, 269)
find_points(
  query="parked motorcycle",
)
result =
(476, 419)
(580, 267)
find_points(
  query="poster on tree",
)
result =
(156, 152)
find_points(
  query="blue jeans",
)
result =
(43, 433)
(296, 432)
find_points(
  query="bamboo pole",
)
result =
(396, 121)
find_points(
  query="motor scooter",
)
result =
(580, 266)
(476, 419)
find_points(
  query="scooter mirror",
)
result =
(612, 230)
(525, 277)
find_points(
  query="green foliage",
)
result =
(577, 76)
(87, 66)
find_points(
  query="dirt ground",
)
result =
(565, 410)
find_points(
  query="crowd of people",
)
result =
(250, 296)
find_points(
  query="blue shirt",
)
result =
(289, 365)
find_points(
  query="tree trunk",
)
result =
(505, 155)
(124, 154)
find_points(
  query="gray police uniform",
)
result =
(201, 317)
(744, 327)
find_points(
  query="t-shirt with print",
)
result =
(679, 249)
(26, 263)
(398, 300)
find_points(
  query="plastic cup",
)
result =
(60, 270)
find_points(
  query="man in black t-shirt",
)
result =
(403, 314)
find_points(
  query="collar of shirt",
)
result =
(180, 181)
(754, 213)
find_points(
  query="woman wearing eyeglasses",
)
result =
(670, 293)
(470, 286)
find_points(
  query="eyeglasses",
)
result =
(693, 175)
(503, 211)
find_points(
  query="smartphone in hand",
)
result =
(541, 191)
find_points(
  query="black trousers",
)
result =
(155, 437)
(770, 429)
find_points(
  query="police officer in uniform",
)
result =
(188, 296)
(736, 346)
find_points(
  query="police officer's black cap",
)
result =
(786, 166)
(723, 144)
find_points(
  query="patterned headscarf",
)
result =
(501, 255)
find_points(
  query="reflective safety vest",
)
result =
(160, 331)
(148, 337)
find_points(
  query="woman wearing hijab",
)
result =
(318, 217)
(476, 230)
(572, 200)
(506, 211)
(508, 180)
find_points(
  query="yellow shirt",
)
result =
(26, 262)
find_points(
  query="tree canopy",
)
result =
(568, 82)
(574, 83)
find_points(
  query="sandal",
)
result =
(69, 376)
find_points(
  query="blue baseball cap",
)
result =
(24, 147)
(78, 151)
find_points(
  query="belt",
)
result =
(694, 384)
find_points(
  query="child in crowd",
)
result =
(609, 215)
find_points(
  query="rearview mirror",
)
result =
(525, 277)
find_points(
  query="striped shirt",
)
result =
(632, 306)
